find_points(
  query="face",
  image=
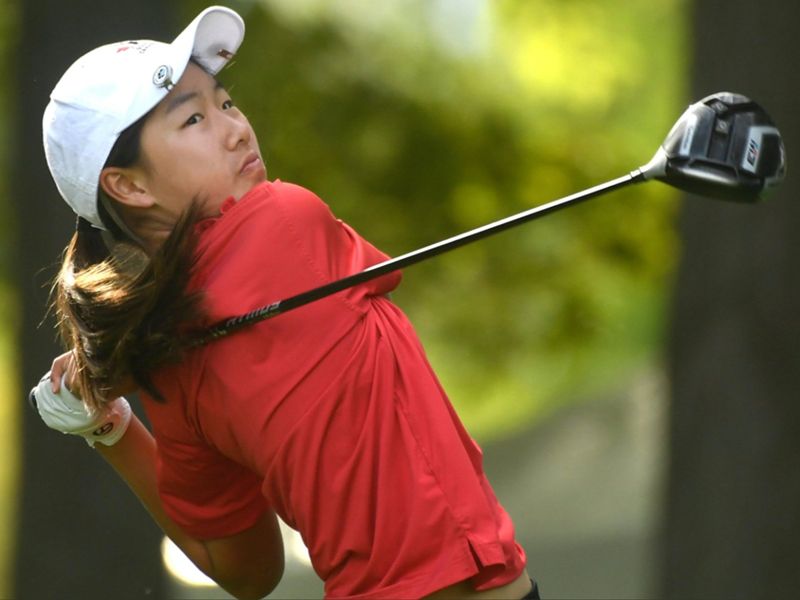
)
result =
(197, 145)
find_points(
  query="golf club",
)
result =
(725, 146)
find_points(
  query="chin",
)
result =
(252, 182)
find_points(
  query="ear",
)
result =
(125, 186)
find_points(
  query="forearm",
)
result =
(134, 459)
(248, 564)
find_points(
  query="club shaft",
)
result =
(232, 324)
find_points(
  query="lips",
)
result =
(250, 161)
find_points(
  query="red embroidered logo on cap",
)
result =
(133, 45)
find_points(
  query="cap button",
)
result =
(163, 77)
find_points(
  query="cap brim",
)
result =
(212, 38)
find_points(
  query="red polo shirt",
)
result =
(330, 415)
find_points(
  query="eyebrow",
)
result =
(187, 96)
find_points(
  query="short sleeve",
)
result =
(205, 493)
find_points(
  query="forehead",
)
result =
(194, 83)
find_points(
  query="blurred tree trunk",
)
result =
(81, 534)
(732, 526)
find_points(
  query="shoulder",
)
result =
(278, 239)
(280, 191)
(296, 215)
(278, 203)
(298, 201)
(268, 211)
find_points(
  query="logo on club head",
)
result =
(752, 152)
(685, 148)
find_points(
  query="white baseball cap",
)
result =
(111, 87)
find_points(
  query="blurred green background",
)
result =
(629, 365)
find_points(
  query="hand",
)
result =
(61, 410)
(62, 366)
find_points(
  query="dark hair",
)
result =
(122, 312)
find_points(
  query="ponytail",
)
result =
(122, 312)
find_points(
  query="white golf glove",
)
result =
(66, 413)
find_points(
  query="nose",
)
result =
(237, 130)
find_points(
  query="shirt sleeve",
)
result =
(205, 493)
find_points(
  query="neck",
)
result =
(148, 227)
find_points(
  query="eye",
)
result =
(227, 104)
(194, 119)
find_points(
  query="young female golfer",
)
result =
(328, 416)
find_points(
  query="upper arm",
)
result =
(249, 564)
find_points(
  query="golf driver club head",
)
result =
(724, 146)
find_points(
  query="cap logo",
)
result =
(227, 55)
(163, 77)
(140, 47)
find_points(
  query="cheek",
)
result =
(179, 164)
(171, 183)
(188, 167)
